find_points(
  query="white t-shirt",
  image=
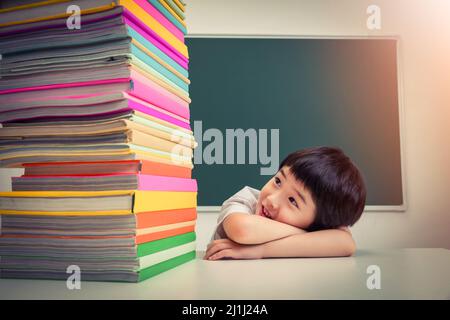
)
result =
(243, 201)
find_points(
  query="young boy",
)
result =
(303, 211)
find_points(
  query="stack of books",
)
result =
(94, 104)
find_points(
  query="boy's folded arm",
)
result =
(323, 243)
(252, 229)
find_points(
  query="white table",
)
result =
(405, 274)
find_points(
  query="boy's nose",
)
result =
(272, 206)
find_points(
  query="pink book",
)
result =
(150, 91)
(48, 93)
(137, 85)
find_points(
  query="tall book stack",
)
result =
(94, 104)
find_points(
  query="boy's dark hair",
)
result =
(335, 183)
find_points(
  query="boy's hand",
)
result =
(225, 248)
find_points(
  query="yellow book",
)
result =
(26, 156)
(93, 203)
(131, 137)
(98, 128)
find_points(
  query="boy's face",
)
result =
(286, 200)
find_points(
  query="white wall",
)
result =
(424, 29)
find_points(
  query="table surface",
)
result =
(404, 274)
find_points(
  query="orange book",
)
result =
(106, 167)
(143, 238)
(163, 217)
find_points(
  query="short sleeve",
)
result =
(244, 201)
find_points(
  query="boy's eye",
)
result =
(277, 181)
(292, 200)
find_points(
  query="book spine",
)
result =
(180, 24)
(65, 85)
(159, 218)
(161, 169)
(149, 91)
(161, 183)
(163, 200)
(163, 234)
(144, 4)
(174, 56)
(134, 105)
(162, 35)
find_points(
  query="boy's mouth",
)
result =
(265, 213)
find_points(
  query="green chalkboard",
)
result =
(288, 94)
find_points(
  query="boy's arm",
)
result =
(252, 229)
(324, 243)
